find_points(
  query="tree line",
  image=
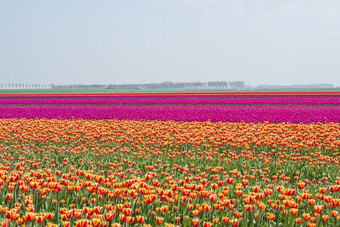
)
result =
(164, 85)
(24, 86)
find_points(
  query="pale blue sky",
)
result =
(142, 41)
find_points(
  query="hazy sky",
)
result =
(142, 41)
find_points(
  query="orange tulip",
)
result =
(159, 220)
(293, 211)
(109, 216)
(207, 224)
(127, 212)
(130, 219)
(195, 222)
(298, 221)
(139, 219)
(66, 224)
(195, 213)
(334, 213)
(39, 218)
(318, 208)
(324, 217)
(234, 222)
(306, 217)
(81, 223)
(9, 196)
(225, 219)
(323, 190)
(119, 207)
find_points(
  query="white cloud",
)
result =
(293, 11)
(289, 9)
(239, 9)
(199, 2)
(328, 10)
(209, 13)
(163, 47)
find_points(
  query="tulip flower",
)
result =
(159, 220)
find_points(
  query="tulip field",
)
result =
(170, 159)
